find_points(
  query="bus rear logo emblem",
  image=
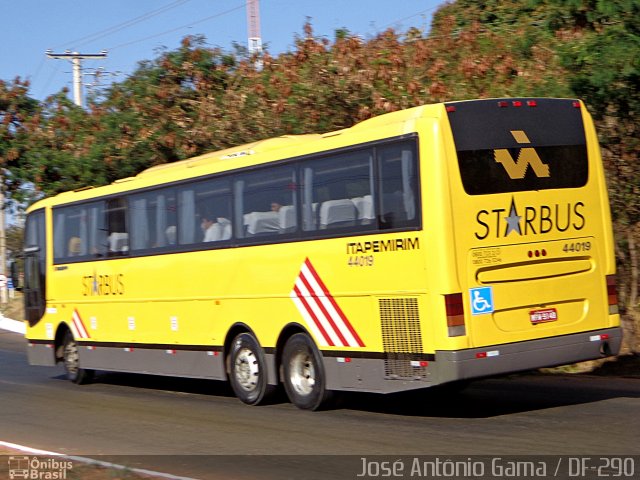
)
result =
(516, 169)
(320, 310)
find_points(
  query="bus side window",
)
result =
(153, 219)
(79, 232)
(116, 227)
(213, 211)
(204, 213)
(399, 186)
(266, 202)
(338, 192)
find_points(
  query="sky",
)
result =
(135, 30)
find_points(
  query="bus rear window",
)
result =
(519, 145)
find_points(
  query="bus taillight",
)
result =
(455, 315)
(612, 294)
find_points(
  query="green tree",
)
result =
(195, 99)
(602, 50)
(19, 117)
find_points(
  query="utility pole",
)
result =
(253, 21)
(75, 59)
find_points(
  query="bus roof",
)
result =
(255, 153)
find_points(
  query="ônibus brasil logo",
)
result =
(36, 468)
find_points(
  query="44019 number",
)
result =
(360, 261)
(576, 247)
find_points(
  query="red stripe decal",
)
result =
(333, 302)
(325, 314)
(80, 328)
(318, 306)
(313, 316)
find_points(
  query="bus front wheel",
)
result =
(71, 360)
(248, 370)
(303, 373)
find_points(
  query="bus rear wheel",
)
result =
(71, 359)
(303, 373)
(248, 370)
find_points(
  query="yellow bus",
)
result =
(441, 243)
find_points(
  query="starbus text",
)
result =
(501, 222)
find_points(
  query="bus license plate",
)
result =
(543, 316)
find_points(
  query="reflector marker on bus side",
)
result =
(320, 311)
(77, 327)
(489, 354)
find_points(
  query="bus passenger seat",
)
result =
(119, 242)
(336, 213)
(261, 222)
(287, 218)
(171, 234)
(225, 225)
(364, 205)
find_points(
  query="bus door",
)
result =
(530, 235)
(35, 267)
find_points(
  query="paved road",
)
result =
(143, 415)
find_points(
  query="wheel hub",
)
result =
(246, 369)
(302, 373)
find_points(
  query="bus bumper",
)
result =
(41, 352)
(515, 357)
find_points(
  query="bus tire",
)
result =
(303, 373)
(248, 370)
(71, 360)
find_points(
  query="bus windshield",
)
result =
(519, 145)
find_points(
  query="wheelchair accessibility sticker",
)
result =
(481, 300)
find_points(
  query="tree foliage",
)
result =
(195, 99)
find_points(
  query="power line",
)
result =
(180, 27)
(121, 26)
(411, 16)
(49, 80)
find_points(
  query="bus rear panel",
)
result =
(533, 241)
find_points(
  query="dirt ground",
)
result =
(15, 308)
